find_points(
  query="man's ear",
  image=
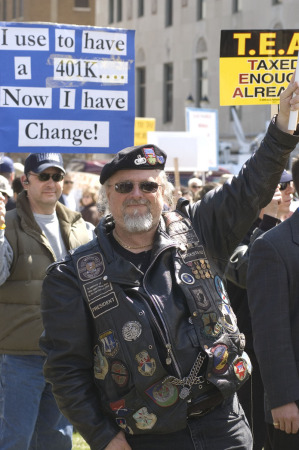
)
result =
(24, 181)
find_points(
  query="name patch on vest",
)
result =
(103, 305)
(192, 254)
(97, 289)
(90, 266)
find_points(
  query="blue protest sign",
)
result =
(67, 89)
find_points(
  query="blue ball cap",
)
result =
(37, 162)
(6, 165)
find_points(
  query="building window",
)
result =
(140, 92)
(111, 11)
(201, 81)
(168, 13)
(14, 9)
(237, 6)
(119, 13)
(201, 9)
(154, 6)
(21, 8)
(4, 10)
(167, 93)
(140, 11)
(81, 3)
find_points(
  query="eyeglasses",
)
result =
(194, 186)
(56, 177)
(284, 185)
(68, 182)
(124, 187)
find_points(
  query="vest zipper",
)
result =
(170, 358)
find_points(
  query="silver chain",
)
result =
(191, 379)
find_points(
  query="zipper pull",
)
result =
(168, 358)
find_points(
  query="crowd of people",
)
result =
(121, 325)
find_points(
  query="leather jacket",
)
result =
(122, 348)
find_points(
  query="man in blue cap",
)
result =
(39, 231)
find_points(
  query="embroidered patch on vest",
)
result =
(146, 364)
(110, 345)
(240, 368)
(187, 278)
(177, 227)
(103, 305)
(211, 325)
(163, 394)
(228, 318)
(119, 408)
(96, 289)
(192, 254)
(144, 420)
(221, 289)
(90, 266)
(119, 373)
(200, 298)
(122, 423)
(131, 330)
(248, 362)
(220, 357)
(100, 364)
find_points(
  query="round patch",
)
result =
(90, 266)
(187, 278)
(119, 373)
(220, 357)
(131, 331)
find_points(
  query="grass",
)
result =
(79, 443)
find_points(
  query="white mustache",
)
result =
(141, 201)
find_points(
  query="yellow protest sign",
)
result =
(256, 65)
(142, 126)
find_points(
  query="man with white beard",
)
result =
(143, 349)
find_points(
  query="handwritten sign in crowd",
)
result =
(66, 88)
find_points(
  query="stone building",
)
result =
(177, 48)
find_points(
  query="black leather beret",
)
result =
(144, 157)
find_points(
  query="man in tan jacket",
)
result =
(38, 232)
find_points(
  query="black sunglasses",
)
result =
(124, 187)
(46, 176)
(284, 185)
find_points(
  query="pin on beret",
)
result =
(142, 157)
